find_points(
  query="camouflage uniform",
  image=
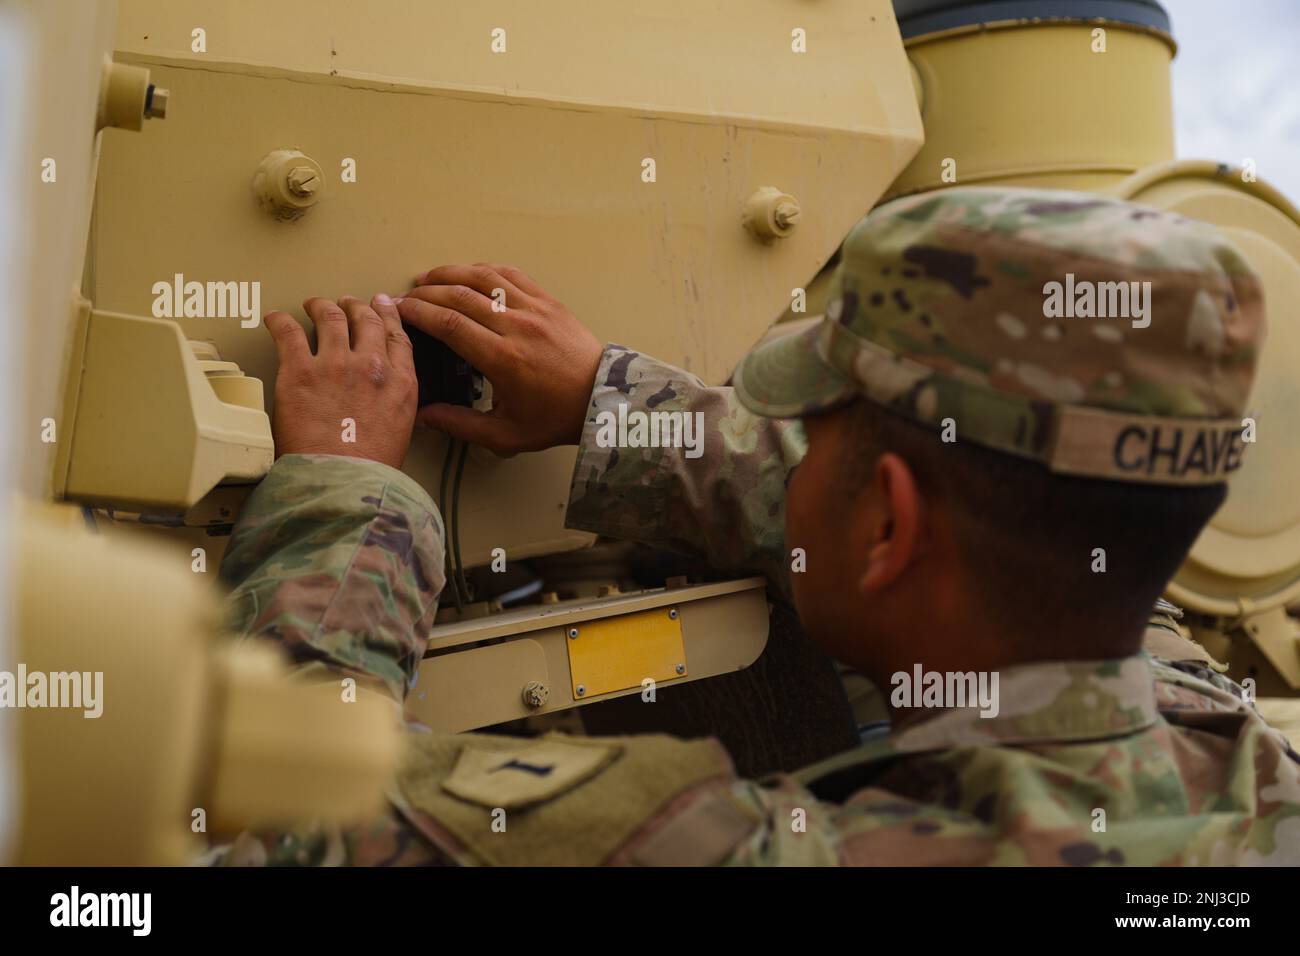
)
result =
(936, 313)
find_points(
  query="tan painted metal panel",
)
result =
(724, 628)
(463, 155)
(725, 58)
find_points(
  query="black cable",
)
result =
(455, 519)
(447, 524)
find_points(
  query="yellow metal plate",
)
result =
(616, 653)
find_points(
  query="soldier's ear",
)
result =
(897, 540)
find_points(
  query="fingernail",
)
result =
(383, 299)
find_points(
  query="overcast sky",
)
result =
(1237, 84)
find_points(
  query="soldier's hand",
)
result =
(540, 360)
(357, 395)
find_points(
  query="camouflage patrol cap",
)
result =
(1099, 337)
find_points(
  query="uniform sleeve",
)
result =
(640, 811)
(723, 499)
(339, 560)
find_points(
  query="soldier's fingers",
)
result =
(331, 325)
(466, 301)
(365, 326)
(480, 277)
(522, 280)
(477, 428)
(399, 343)
(479, 346)
(290, 340)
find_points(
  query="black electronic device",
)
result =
(444, 377)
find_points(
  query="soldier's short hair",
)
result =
(1029, 536)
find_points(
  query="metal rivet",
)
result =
(672, 613)
(582, 689)
(681, 668)
(573, 632)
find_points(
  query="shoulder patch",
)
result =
(566, 801)
(531, 773)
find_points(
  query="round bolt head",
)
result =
(770, 213)
(536, 694)
(787, 214)
(681, 668)
(287, 183)
(303, 180)
(573, 632)
(672, 613)
(582, 689)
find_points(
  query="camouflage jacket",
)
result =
(1141, 760)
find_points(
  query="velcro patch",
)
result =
(529, 774)
(598, 794)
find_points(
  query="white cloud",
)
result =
(1237, 85)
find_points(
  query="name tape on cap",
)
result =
(1185, 451)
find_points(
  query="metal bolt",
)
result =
(786, 215)
(681, 668)
(303, 181)
(288, 183)
(770, 213)
(156, 102)
(672, 613)
(573, 633)
(536, 694)
(582, 689)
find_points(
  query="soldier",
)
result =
(991, 493)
